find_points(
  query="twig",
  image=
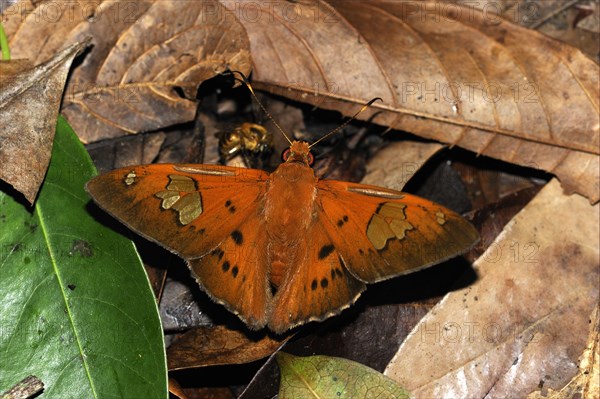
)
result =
(28, 387)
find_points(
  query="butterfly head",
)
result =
(299, 151)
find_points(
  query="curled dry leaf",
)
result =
(29, 102)
(525, 321)
(201, 347)
(445, 72)
(147, 60)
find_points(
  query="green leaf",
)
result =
(77, 310)
(327, 377)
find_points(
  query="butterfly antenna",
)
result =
(340, 127)
(244, 80)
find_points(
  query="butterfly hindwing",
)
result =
(315, 287)
(235, 273)
(383, 233)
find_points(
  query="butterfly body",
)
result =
(289, 213)
(284, 248)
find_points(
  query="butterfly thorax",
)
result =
(289, 213)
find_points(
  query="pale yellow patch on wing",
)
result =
(130, 178)
(440, 217)
(181, 195)
(389, 222)
(181, 183)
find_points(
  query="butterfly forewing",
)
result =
(188, 209)
(383, 233)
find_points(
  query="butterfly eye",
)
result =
(285, 154)
(311, 159)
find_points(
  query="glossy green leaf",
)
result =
(76, 309)
(327, 377)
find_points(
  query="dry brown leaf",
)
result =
(592, 21)
(559, 19)
(586, 383)
(126, 151)
(491, 218)
(487, 182)
(209, 393)
(201, 347)
(525, 321)
(180, 308)
(144, 52)
(29, 102)
(445, 72)
(394, 165)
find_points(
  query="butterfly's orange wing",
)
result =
(206, 214)
(316, 287)
(383, 233)
(364, 234)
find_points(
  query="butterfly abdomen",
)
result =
(289, 213)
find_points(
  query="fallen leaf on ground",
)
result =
(524, 322)
(586, 384)
(454, 74)
(394, 165)
(126, 151)
(202, 346)
(147, 60)
(331, 377)
(29, 102)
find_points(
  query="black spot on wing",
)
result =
(342, 221)
(225, 266)
(234, 271)
(324, 283)
(325, 251)
(218, 252)
(237, 237)
(230, 207)
(314, 284)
